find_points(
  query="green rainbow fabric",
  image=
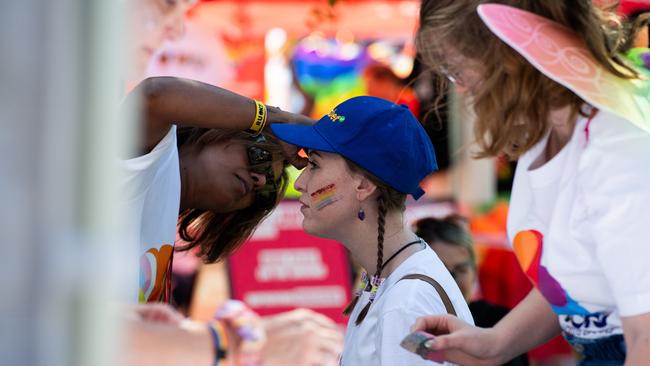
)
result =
(640, 57)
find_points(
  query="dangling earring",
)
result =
(361, 214)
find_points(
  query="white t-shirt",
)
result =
(376, 341)
(153, 194)
(589, 209)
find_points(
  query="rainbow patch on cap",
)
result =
(335, 117)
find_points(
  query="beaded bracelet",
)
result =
(219, 341)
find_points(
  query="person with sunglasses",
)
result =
(197, 160)
(208, 167)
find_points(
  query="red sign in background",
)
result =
(295, 270)
(282, 268)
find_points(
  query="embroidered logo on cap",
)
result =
(335, 117)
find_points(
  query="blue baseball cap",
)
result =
(382, 137)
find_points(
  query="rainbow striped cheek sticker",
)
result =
(324, 197)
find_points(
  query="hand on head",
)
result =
(276, 115)
(291, 153)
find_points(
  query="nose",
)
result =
(175, 26)
(299, 184)
(259, 180)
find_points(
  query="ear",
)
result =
(364, 187)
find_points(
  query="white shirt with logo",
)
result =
(580, 225)
(152, 197)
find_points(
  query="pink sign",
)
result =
(282, 268)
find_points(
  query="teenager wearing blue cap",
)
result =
(365, 156)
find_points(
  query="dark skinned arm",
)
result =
(169, 100)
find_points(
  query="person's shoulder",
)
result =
(413, 296)
(608, 129)
(615, 157)
(613, 143)
(140, 172)
(164, 147)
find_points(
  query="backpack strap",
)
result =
(439, 289)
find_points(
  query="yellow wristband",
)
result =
(260, 118)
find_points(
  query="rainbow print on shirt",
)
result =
(154, 267)
(528, 246)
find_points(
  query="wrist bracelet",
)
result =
(219, 342)
(260, 118)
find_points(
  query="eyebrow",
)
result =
(314, 152)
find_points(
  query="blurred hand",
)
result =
(460, 342)
(245, 332)
(276, 115)
(291, 154)
(157, 313)
(301, 338)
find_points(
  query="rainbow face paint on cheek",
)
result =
(324, 197)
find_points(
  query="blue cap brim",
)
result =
(417, 193)
(301, 135)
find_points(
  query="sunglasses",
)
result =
(261, 162)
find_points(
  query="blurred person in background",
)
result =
(382, 82)
(150, 24)
(636, 14)
(452, 242)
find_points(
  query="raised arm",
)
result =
(163, 101)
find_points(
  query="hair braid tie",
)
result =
(363, 285)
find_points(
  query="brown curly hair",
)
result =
(219, 234)
(508, 120)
